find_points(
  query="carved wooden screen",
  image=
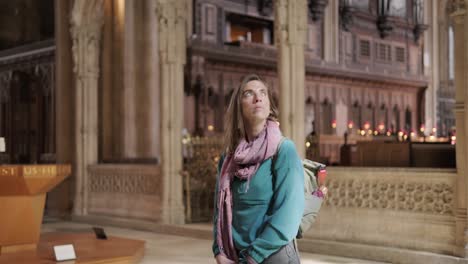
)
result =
(27, 110)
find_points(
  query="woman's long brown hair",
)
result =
(234, 128)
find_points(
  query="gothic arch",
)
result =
(395, 124)
(309, 115)
(408, 119)
(326, 116)
(368, 115)
(355, 121)
(382, 123)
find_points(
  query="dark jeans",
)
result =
(285, 255)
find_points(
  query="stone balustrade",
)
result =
(392, 207)
(125, 190)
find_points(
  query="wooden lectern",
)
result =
(23, 190)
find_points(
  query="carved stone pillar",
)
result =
(331, 31)
(290, 30)
(431, 67)
(86, 26)
(458, 13)
(129, 78)
(172, 15)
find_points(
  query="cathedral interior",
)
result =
(132, 95)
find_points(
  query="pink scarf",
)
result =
(243, 165)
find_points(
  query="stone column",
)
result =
(290, 30)
(129, 77)
(86, 27)
(431, 63)
(458, 13)
(331, 31)
(145, 80)
(149, 146)
(59, 199)
(112, 136)
(172, 15)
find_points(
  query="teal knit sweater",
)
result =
(267, 216)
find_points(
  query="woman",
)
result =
(259, 198)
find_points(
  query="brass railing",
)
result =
(201, 157)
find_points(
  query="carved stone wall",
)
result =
(399, 208)
(411, 196)
(128, 179)
(128, 191)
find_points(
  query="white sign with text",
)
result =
(64, 252)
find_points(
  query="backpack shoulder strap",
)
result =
(283, 138)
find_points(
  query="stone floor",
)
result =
(170, 249)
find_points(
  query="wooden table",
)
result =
(22, 199)
(88, 249)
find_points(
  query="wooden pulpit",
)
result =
(23, 190)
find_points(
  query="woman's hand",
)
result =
(324, 190)
(222, 259)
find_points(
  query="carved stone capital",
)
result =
(291, 21)
(86, 22)
(457, 10)
(265, 7)
(172, 27)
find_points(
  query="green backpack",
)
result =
(312, 203)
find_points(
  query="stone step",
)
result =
(308, 245)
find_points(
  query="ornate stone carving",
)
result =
(292, 27)
(456, 6)
(265, 7)
(346, 15)
(317, 8)
(172, 29)
(418, 197)
(457, 11)
(86, 24)
(383, 23)
(131, 179)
